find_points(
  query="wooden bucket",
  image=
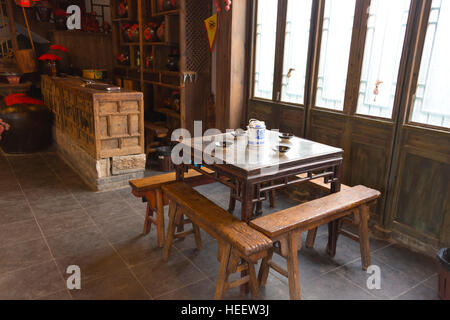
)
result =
(26, 61)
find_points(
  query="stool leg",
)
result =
(264, 269)
(364, 237)
(173, 212)
(292, 266)
(148, 221)
(222, 279)
(311, 238)
(160, 218)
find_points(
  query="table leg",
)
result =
(247, 194)
(333, 227)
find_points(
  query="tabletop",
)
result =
(246, 158)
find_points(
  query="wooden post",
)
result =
(231, 70)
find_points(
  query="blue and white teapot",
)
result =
(256, 133)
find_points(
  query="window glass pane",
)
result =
(432, 101)
(296, 50)
(335, 52)
(386, 30)
(266, 30)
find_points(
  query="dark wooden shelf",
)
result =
(168, 44)
(166, 13)
(168, 112)
(122, 19)
(161, 84)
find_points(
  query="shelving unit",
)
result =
(184, 35)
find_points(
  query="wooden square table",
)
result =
(252, 172)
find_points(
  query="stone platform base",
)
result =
(104, 174)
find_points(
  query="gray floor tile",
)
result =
(416, 265)
(64, 222)
(60, 295)
(139, 249)
(393, 281)
(160, 277)
(92, 199)
(332, 286)
(76, 242)
(48, 207)
(93, 264)
(23, 255)
(420, 292)
(203, 290)
(15, 213)
(120, 286)
(31, 283)
(110, 211)
(18, 232)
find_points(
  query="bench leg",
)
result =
(222, 280)
(364, 237)
(148, 219)
(198, 236)
(173, 215)
(292, 266)
(160, 218)
(264, 269)
(311, 238)
(333, 234)
(253, 282)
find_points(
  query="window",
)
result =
(266, 30)
(296, 50)
(335, 53)
(432, 100)
(386, 30)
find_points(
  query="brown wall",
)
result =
(87, 50)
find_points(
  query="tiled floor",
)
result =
(49, 220)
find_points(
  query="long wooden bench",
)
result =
(149, 189)
(240, 246)
(285, 227)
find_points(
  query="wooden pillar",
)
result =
(231, 66)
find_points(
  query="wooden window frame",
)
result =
(279, 56)
(408, 72)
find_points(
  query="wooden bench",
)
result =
(320, 189)
(149, 189)
(285, 227)
(240, 246)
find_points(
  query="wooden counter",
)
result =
(100, 134)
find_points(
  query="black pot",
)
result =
(30, 128)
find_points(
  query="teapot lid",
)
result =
(254, 123)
